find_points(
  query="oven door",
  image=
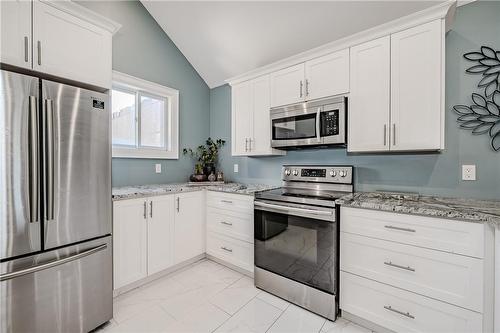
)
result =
(298, 242)
(295, 127)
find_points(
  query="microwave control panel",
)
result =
(329, 122)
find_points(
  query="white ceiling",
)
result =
(225, 39)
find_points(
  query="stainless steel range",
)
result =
(297, 236)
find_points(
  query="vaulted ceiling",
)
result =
(223, 39)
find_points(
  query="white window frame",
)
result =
(125, 82)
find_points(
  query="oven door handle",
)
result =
(293, 209)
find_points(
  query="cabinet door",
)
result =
(70, 47)
(15, 33)
(288, 86)
(417, 88)
(369, 99)
(129, 241)
(242, 109)
(189, 226)
(160, 233)
(260, 143)
(327, 75)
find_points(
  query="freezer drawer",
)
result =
(66, 290)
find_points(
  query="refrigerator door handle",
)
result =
(48, 152)
(34, 176)
(50, 264)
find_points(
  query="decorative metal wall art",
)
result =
(484, 115)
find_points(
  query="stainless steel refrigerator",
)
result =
(55, 206)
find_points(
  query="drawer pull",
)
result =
(408, 268)
(226, 223)
(399, 228)
(406, 314)
(226, 249)
(227, 201)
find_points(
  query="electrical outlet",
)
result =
(469, 172)
(158, 168)
(235, 168)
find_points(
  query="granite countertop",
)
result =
(470, 210)
(131, 192)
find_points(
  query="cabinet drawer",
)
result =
(403, 311)
(444, 276)
(233, 202)
(234, 251)
(433, 233)
(229, 223)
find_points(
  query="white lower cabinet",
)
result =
(410, 273)
(153, 234)
(189, 226)
(403, 311)
(230, 229)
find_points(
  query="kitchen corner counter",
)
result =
(140, 191)
(469, 210)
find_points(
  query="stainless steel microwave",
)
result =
(321, 122)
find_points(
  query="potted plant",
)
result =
(206, 156)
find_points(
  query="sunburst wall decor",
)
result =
(483, 116)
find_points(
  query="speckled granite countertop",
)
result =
(131, 192)
(470, 210)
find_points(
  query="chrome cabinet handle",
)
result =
(26, 59)
(151, 209)
(408, 268)
(250, 144)
(178, 204)
(39, 48)
(399, 228)
(51, 264)
(226, 201)
(246, 144)
(301, 85)
(226, 249)
(406, 314)
(144, 212)
(34, 176)
(49, 159)
(393, 134)
(307, 87)
(226, 223)
(385, 134)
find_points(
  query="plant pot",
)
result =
(208, 169)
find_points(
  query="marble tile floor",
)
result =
(209, 297)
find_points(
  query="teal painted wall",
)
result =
(142, 49)
(476, 24)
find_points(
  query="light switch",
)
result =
(235, 168)
(158, 168)
(469, 172)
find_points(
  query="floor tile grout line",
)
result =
(281, 314)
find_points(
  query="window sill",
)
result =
(145, 153)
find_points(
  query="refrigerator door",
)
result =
(19, 169)
(77, 164)
(65, 290)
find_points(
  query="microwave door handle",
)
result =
(318, 124)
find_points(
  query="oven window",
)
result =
(298, 248)
(296, 127)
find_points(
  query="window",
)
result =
(144, 118)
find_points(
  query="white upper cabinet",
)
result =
(369, 99)
(417, 88)
(287, 85)
(160, 233)
(70, 47)
(189, 228)
(242, 109)
(15, 33)
(327, 75)
(251, 124)
(58, 38)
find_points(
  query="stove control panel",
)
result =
(320, 174)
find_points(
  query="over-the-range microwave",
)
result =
(316, 123)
